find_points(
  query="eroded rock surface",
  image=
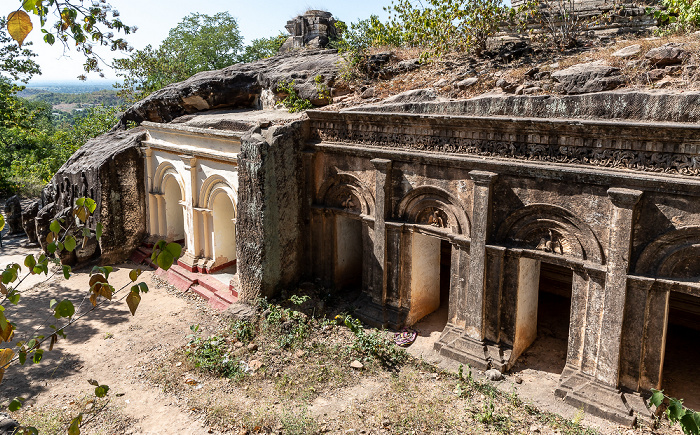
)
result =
(587, 77)
(241, 86)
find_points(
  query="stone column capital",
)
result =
(190, 161)
(483, 178)
(383, 165)
(624, 198)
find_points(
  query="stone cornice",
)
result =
(662, 147)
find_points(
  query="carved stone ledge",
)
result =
(624, 198)
(583, 391)
(463, 142)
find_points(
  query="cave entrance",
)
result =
(543, 314)
(348, 255)
(681, 369)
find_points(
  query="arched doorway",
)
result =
(224, 228)
(174, 216)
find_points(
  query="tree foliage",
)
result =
(448, 25)
(198, 43)
(262, 48)
(74, 23)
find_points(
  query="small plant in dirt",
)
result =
(293, 102)
(243, 331)
(686, 418)
(374, 344)
(213, 354)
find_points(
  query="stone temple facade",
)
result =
(505, 213)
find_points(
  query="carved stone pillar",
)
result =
(481, 219)
(160, 206)
(466, 343)
(189, 202)
(382, 211)
(206, 220)
(151, 204)
(591, 378)
(621, 228)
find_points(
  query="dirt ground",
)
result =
(155, 390)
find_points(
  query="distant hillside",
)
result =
(107, 97)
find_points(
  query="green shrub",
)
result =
(443, 26)
(676, 16)
(293, 102)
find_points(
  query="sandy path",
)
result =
(107, 345)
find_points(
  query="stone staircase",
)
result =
(219, 294)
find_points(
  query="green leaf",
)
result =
(55, 227)
(64, 308)
(2, 222)
(74, 428)
(143, 287)
(66, 271)
(175, 249)
(134, 274)
(29, 261)
(16, 404)
(9, 275)
(690, 423)
(38, 354)
(70, 243)
(22, 357)
(51, 247)
(657, 397)
(98, 231)
(165, 260)
(13, 297)
(90, 204)
(675, 410)
(101, 391)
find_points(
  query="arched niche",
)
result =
(429, 205)
(347, 192)
(174, 214)
(675, 254)
(218, 196)
(552, 229)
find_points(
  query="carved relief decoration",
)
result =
(429, 205)
(346, 192)
(436, 139)
(551, 229)
(433, 216)
(675, 254)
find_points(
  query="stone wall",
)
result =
(270, 223)
(614, 202)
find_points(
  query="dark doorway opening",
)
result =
(554, 313)
(681, 369)
(348, 266)
(545, 342)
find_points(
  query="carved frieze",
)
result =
(450, 141)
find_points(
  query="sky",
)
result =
(154, 18)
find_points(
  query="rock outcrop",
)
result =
(587, 77)
(314, 29)
(108, 169)
(29, 213)
(13, 215)
(250, 85)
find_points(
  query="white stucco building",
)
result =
(192, 183)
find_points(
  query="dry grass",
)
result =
(309, 388)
